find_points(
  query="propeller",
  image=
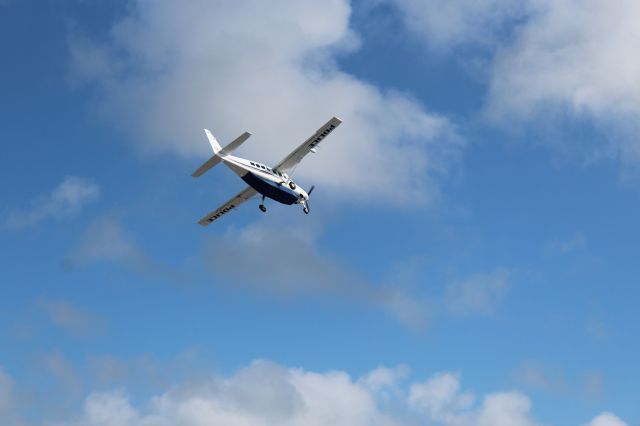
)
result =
(306, 204)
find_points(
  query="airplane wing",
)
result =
(307, 146)
(234, 202)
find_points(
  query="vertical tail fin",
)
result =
(215, 146)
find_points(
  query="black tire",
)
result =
(305, 210)
(263, 209)
(292, 185)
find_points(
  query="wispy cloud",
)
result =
(479, 293)
(106, 239)
(63, 371)
(576, 242)
(286, 261)
(65, 200)
(71, 318)
(6, 391)
(539, 376)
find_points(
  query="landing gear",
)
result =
(263, 209)
(292, 185)
(305, 209)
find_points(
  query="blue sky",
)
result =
(470, 254)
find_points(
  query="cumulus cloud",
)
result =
(265, 393)
(561, 63)
(580, 54)
(258, 249)
(606, 419)
(578, 60)
(440, 398)
(65, 200)
(173, 67)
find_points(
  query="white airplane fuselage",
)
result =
(274, 185)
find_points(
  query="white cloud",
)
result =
(440, 398)
(574, 59)
(265, 393)
(446, 24)
(173, 67)
(606, 419)
(580, 54)
(442, 401)
(553, 64)
(65, 200)
(479, 293)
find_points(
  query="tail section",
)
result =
(218, 151)
(215, 146)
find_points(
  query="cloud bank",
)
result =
(265, 393)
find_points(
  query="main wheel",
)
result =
(306, 210)
(292, 185)
(263, 208)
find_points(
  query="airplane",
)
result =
(270, 182)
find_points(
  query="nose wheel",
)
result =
(305, 209)
(262, 207)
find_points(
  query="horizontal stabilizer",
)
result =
(235, 144)
(206, 166)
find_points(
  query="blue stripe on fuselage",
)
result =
(281, 193)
